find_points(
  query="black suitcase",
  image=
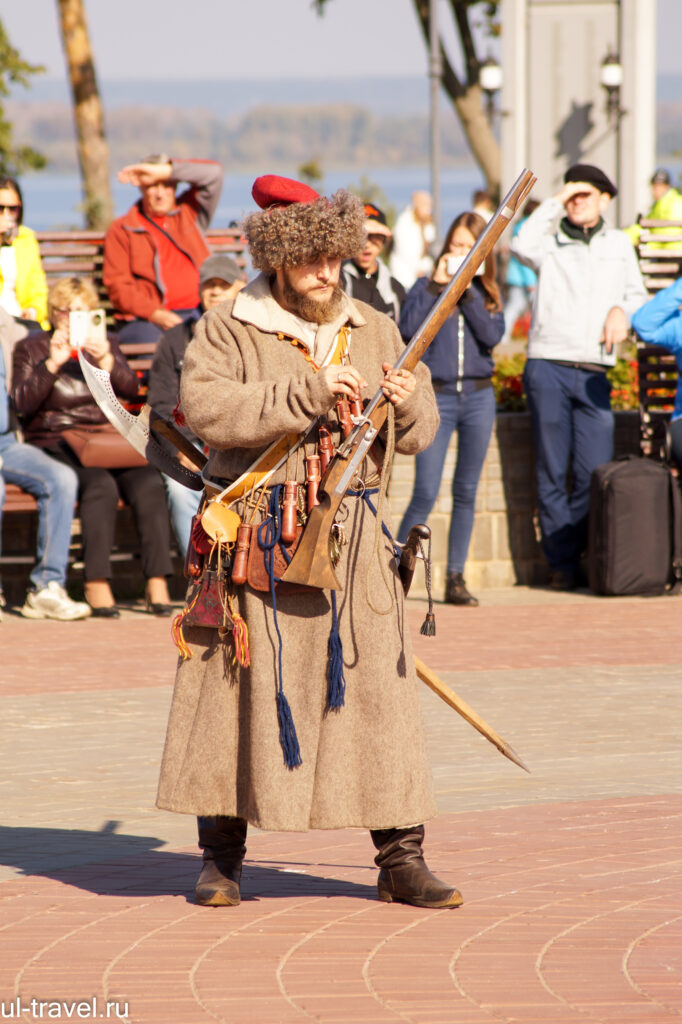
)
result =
(635, 528)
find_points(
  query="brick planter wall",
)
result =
(504, 549)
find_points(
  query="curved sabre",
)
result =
(139, 430)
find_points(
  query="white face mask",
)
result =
(455, 262)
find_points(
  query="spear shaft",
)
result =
(468, 714)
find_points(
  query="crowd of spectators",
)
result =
(578, 276)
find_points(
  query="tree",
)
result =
(13, 69)
(311, 173)
(93, 152)
(463, 90)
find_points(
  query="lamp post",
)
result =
(611, 78)
(490, 80)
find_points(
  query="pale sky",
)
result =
(186, 39)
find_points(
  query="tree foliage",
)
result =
(14, 70)
(462, 88)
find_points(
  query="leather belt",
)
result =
(587, 367)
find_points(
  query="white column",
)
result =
(515, 99)
(638, 99)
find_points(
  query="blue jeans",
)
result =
(182, 505)
(54, 486)
(472, 415)
(572, 423)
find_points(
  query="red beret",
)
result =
(272, 190)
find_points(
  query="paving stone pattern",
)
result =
(571, 875)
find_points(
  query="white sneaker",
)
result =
(52, 602)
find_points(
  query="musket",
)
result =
(139, 430)
(311, 563)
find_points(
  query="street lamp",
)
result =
(611, 78)
(490, 80)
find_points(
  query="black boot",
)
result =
(222, 840)
(456, 591)
(404, 876)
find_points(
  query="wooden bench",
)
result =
(81, 254)
(660, 265)
(657, 389)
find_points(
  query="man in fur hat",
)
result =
(318, 725)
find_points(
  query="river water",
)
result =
(51, 201)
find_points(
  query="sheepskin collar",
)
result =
(257, 306)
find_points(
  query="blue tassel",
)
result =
(269, 533)
(287, 733)
(337, 684)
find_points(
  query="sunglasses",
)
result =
(9, 209)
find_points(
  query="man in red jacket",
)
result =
(153, 253)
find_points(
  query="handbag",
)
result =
(102, 446)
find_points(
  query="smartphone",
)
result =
(453, 264)
(86, 323)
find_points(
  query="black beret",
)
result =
(593, 176)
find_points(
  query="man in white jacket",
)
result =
(589, 285)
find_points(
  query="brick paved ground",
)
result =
(572, 875)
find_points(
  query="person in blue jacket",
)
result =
(461, 366)
(659, 322)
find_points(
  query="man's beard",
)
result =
(312, 310)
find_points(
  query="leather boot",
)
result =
(222, 840)
(404, 876)
(456, 591)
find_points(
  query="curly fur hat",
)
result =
(302, 232)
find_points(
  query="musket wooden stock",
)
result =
(311, 564)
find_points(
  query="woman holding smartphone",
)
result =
(52, 399)
(461, 366)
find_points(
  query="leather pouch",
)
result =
(206, 602)
(257, 574)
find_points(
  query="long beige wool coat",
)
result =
(365, 763)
